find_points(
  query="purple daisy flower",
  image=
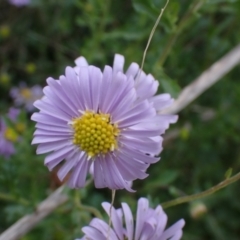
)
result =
(150, 224)
(26, 96)
(108, 119)
(19, 3)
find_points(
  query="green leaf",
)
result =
(228, 173)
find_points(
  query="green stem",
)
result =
(80, 206)
(90, 209)
(206, 193)
(11, 198)
(183, 22)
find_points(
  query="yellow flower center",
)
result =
(11, 135)
(26, 93)
(94, 133)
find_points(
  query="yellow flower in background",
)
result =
(30, 68)
(10, 134)
(4, 79)
(4, 31)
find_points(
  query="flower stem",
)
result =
(90, 209)
(80, 206)
(110, 214)
(206, 193)
(150, 38)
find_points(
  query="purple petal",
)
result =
(130, 168)
(132, 70)
(52, 146)
(95, 78)
(105, 87)
(104, 229)
(63, 129)
(137, 114)
(138, 155)
(147, 145)
(92, 233)
(59, 91)
(85, 85)
(69, 164)
(56, 157)
(128, 220)
(98, 174)
(161, 101)
(78, 177)
(142, 208)
(46, 107)
(112, 176)
(48, 120)
(81, 62)
(118, 63)
(116, 222)
(171, 231)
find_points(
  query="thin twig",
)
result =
(206, 193)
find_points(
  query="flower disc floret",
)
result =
(94, 133)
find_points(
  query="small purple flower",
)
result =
(108, 119)
(26, 96)
(6, 146)
(13, 114)
(19, 3)
(8, 135)
(150, 224)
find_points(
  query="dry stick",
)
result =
(191, 92)
(26, 223)
(205, 80)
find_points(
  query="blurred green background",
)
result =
(39, 40)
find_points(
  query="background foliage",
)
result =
(39, 40)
